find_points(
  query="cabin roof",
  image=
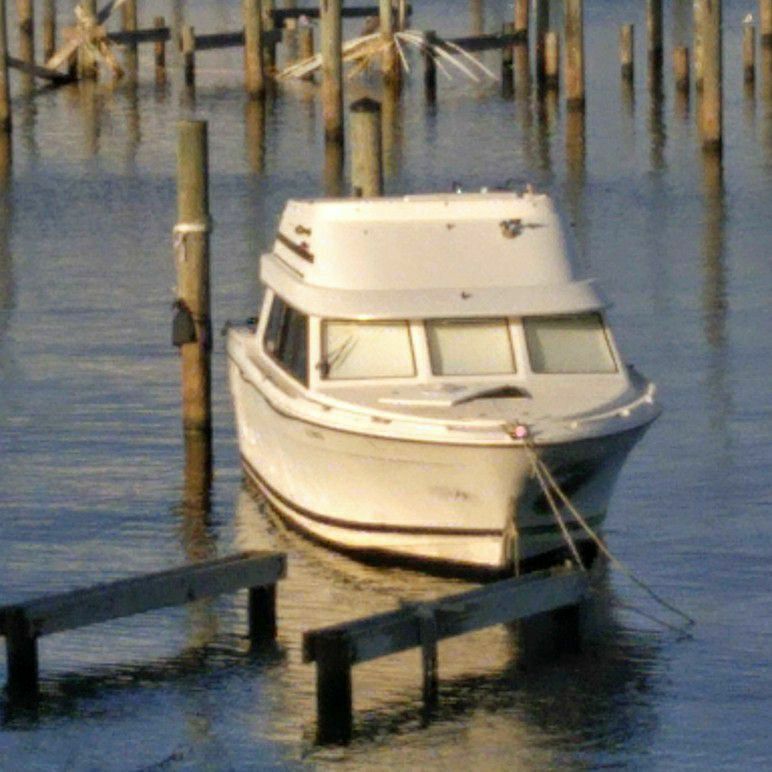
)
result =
(441, 254)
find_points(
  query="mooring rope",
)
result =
(547, 482)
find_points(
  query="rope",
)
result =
(547, 480)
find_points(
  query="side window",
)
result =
(286, 339)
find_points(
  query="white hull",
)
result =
(474, 506)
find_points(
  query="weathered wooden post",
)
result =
(25, 10)
(574, 79)
(333, 689)
(765, 22)
(401, 15)
(390, 60)
(427, 630)
(5, 97)
(192, 327)
(542, 9)
(430, 66)
(49, 29)
(552, 61)
(254, 129)
(627, 52)
(22, 657)
(711, 119)
(332, 71)
(749, 53)
(521, 20)
(159, 52)
(681, 69)
(189, 56)
(262, 614)
(269, 25)
(129, 19)
(254, 76)
(654, 31)
(366, 149)
(698, 48)
(507, 62)
(306, 46)
(87, 63)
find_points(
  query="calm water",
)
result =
(91, 463)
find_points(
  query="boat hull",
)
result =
(472, 506)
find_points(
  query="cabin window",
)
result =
(286, 338)
(569, 344)
(470, 347)
(366, 350)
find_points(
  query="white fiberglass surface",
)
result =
(367, 350)
(568, 344)
(470, 347)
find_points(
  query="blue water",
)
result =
(91, 457)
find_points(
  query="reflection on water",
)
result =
(656, 113)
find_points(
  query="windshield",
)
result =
(470, 347)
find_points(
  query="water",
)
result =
(91, 463)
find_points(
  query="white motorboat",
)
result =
(412, 357)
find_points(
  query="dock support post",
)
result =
(269, 50)
(306, 46)
(765, 22)
(390, 60)
(192, 258)
(87, 63)
(333, 690)
(159, 52)
(542, 9)
(711, 122)
(254, 75)
(22, 657)
(508, 62)
(654, 30)
(521, 20)
(189, 56)
(25, 11)
(427, 626)
(749, 53)
(402, 15)
(262, 614)
(366, 149)
(332, 71)
(129, 20)
(627, 52)
(681, 69)
(574, 79)
(698, 48)
(5, 98)
(552, 61)
(49, 29)
(430, 67)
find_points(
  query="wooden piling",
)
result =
(427, 629)
(711, 119)
(129, 23)
(765, 22)
(254, 75)
(332, 70)
(681, 69)
(366, 149)
(749, 53)
(402, 15)
(552, 60)
(333, 690)
(542, 9)
(574, 64)
(49, 29)
(507, 62)
(192, 257)
(654, 31)
(306, 46)
(269, 49)
(159, 53)
(188, 42)
(698, 48)
(87, 64)
(5, 97)
(25, 11)
(522, 8)
(627, 52)
(390, 60)
(430, 67)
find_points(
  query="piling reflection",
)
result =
(91, 115)
(254, 131)
(133, 123)
(7, 282)
(584, 698)
(656, 113)
(391, 128)
(333, 169)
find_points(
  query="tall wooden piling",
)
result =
(269, 50)
(552, 60)
(698, 48)
(627, 52)
(306, 46)
(366, 149)
(87, 63)
(711, 119)
(402, 15)
(542, 24)
(254, 75)
(765, 22)
(5, 97)
(681, 69)
(25, 11)
(507, 62)
(654, 31)
(192, 259)
(129, 23)
(390, 59)
(49, 29)
(159, 53)
(574, 80)
(189, 56)
(749, 53)
(522, 8)
(430, 66)
(332, 70)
